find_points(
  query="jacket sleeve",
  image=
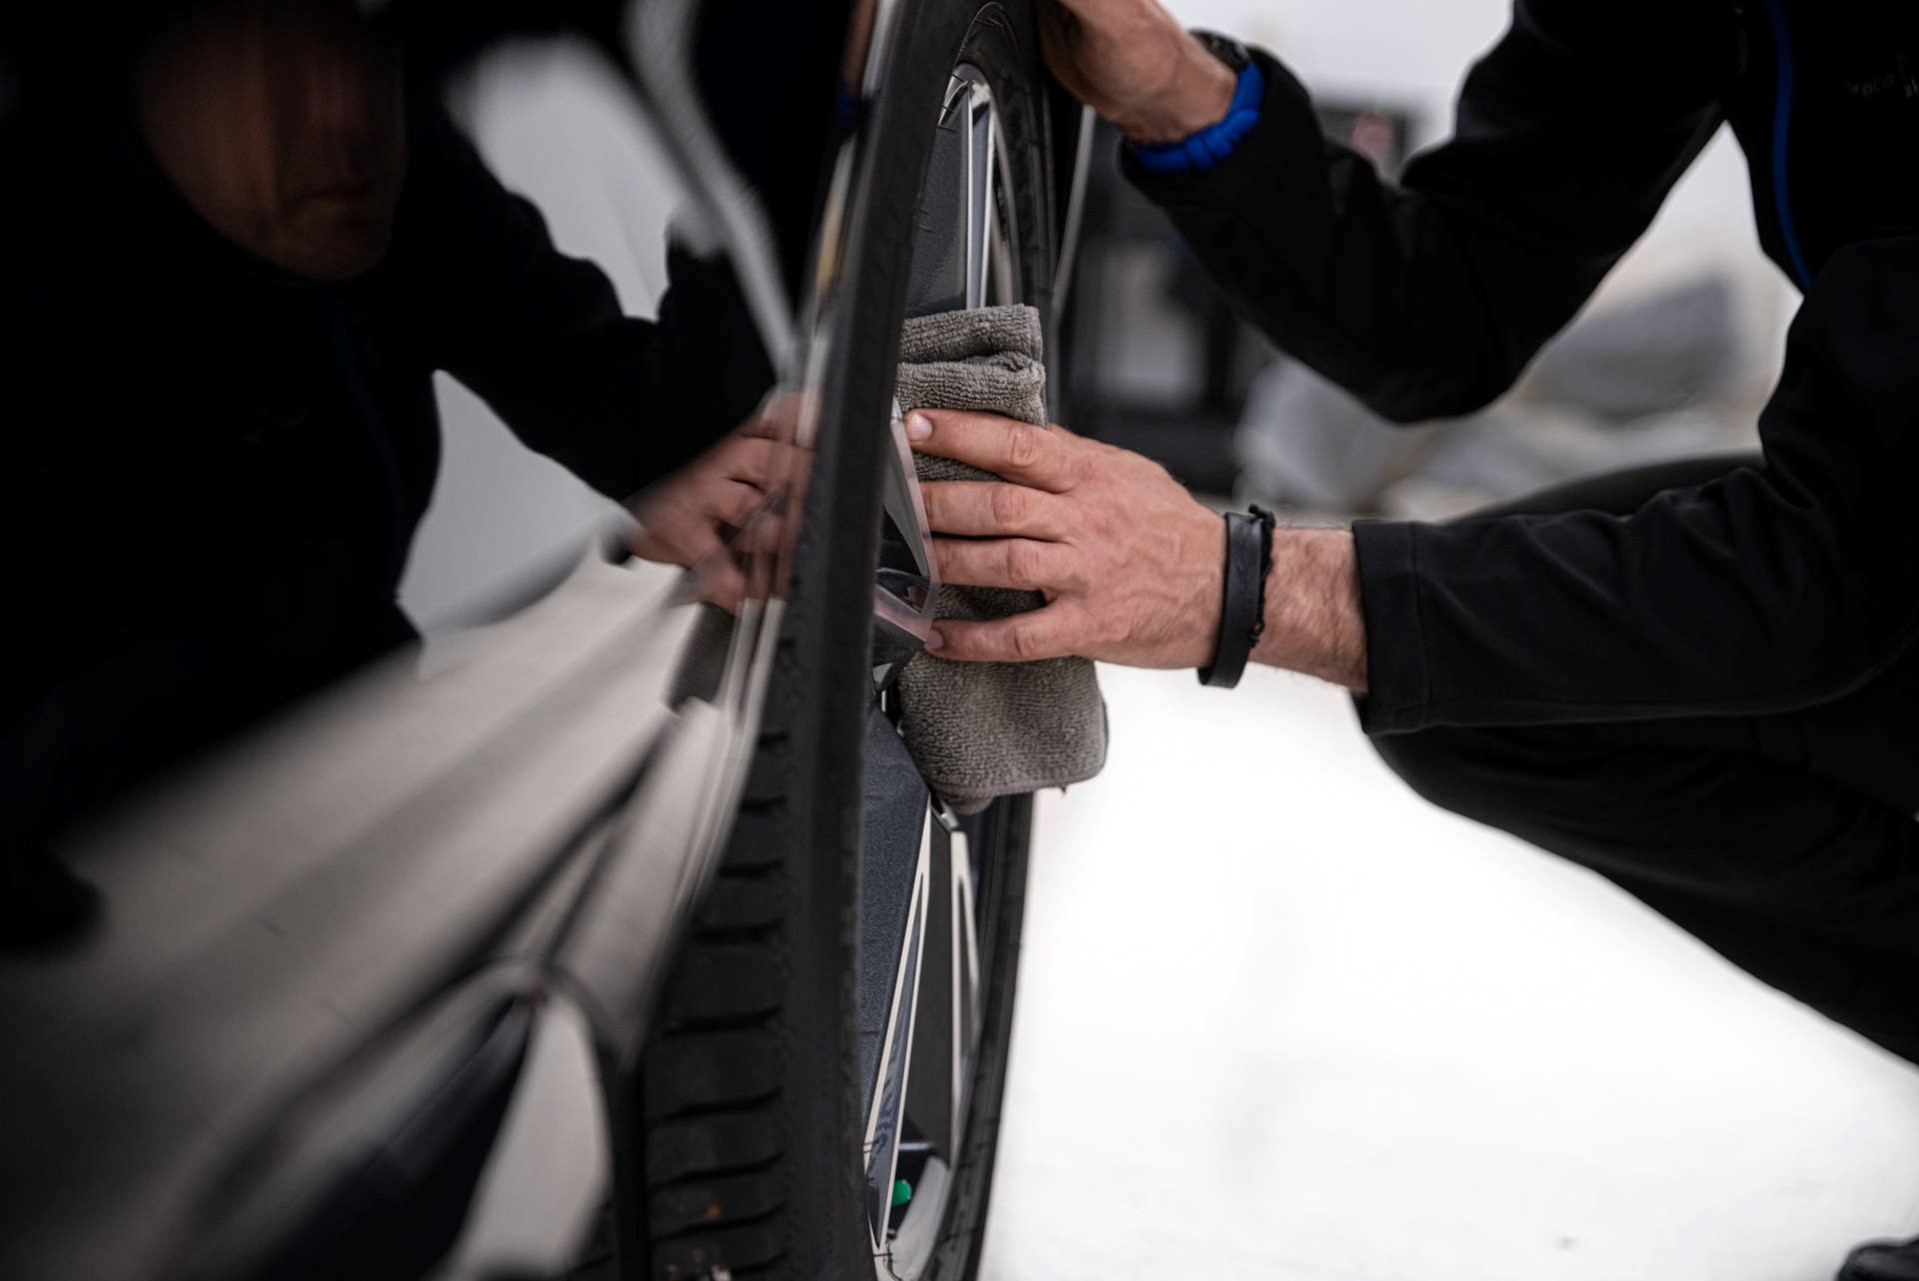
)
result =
(1428, 298)
(540, 336)
(1776, 587)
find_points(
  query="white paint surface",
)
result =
(1280, 1019)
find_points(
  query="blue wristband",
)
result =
(1214, 143)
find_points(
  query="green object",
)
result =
(902, 1193)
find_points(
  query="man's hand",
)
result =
(1132, 567)
(1132, 62)
(696, 517)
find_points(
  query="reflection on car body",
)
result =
(300, 935)
(456, 820)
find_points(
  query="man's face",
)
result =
(280, 121)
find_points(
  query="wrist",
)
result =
(1314, 620)
(1197, 97)
(1206, 572)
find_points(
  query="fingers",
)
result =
(1004, 446)
(985, 509)
(721, 583)
(1019, 563)
(731, 502)
(752, 460)
(677, 542)
(1021, 638)
(764, 533)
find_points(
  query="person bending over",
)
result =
(1699, 680)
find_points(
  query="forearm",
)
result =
(1314, 623)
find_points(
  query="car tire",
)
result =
(748, 1111)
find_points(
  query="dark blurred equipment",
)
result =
(1160, 362)
(1636, 383)
(1674, 347)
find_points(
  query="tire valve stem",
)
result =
(902, 1193)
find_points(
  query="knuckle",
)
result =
(1023, 639)
(1008, 504)
(1022, 564)
(1022, 445)
(1019, 564)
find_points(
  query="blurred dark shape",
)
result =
(1648, 355)
(239, 246)
(42, 904)
(1629, 384)
(749, 54)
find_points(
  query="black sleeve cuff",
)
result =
(1397, 677)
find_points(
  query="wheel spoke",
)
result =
(886, 1118)
(939, 1039)
(966, 1000)
(942, 1045)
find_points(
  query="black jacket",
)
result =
(215, 470)
(1776, 587)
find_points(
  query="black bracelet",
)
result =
(1249, 553)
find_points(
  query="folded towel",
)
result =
(984, 730)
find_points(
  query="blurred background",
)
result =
(1288, 1021)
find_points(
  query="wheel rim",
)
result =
(916, 1120)
(917, 1092)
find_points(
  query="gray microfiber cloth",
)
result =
(984, 730)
